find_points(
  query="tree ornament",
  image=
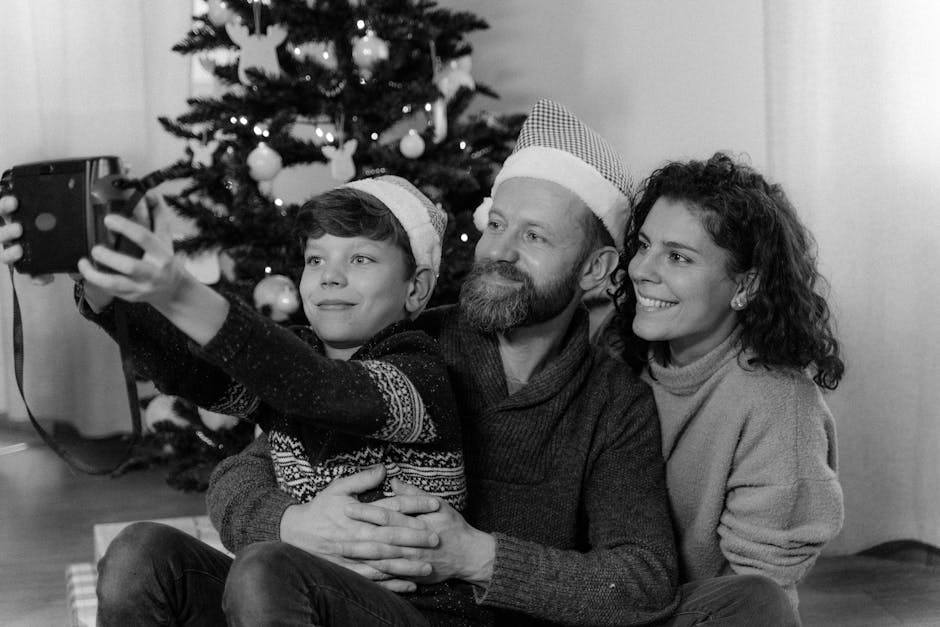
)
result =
(439, 120)
(219, 12)
(257, 51)
(412, 145)
(264, 162)
(203, 150)
(165, 409)
(214, 421)
(341, 160)
(367, 51)
(204, 265)
(276, 297)
(453, 75)
(323, 53)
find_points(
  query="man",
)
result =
(564, 471)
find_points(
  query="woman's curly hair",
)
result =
(787, 321)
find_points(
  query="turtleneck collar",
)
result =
(684, 380)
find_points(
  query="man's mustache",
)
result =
(503, 269)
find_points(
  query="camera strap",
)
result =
(120, 320)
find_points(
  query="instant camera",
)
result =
(62, 205)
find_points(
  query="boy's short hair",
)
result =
(348, 212)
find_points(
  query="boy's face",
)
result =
(352, 288)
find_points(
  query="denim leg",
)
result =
(735, 600)
(274, 583)
(153, 574)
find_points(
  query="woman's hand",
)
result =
(9, 233)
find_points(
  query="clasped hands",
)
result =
(411, 537)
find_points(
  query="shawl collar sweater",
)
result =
(751, 466)
(567, 474)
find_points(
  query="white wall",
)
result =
(660, 79)
(81, 77)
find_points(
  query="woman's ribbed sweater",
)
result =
(751, 466)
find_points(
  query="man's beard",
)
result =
(498, 309)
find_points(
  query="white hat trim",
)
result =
(601, 196)
(413, 215)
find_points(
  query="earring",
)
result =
(737, 303)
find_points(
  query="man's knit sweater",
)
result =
(566, 473)
(751, 466)
(390, 403)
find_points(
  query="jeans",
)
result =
(153, 574)
(734, 601)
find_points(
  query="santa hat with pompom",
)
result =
(556, 146)
(423, 221)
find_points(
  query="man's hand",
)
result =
(379, 546)
(463, 552)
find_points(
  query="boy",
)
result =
(358, 387)
(371, 252)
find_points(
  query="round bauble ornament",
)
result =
(264, 162)
(216, 422)
(412, 145)
(276, 297)
(219, 12)
(367, 51)
(165, 409)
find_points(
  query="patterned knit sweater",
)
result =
(566, 473)
(751, 467)
(390, 403)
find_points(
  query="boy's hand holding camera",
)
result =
(158, 278)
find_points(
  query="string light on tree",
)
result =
(323, 53)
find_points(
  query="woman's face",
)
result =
(682, 285)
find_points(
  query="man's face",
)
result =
(527, 263)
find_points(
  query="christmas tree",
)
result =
(331, 91)
(363, 88)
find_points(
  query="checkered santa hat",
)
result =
(423, 221)
(556, 146)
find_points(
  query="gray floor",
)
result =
(48, 512)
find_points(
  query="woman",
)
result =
(720, 313)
